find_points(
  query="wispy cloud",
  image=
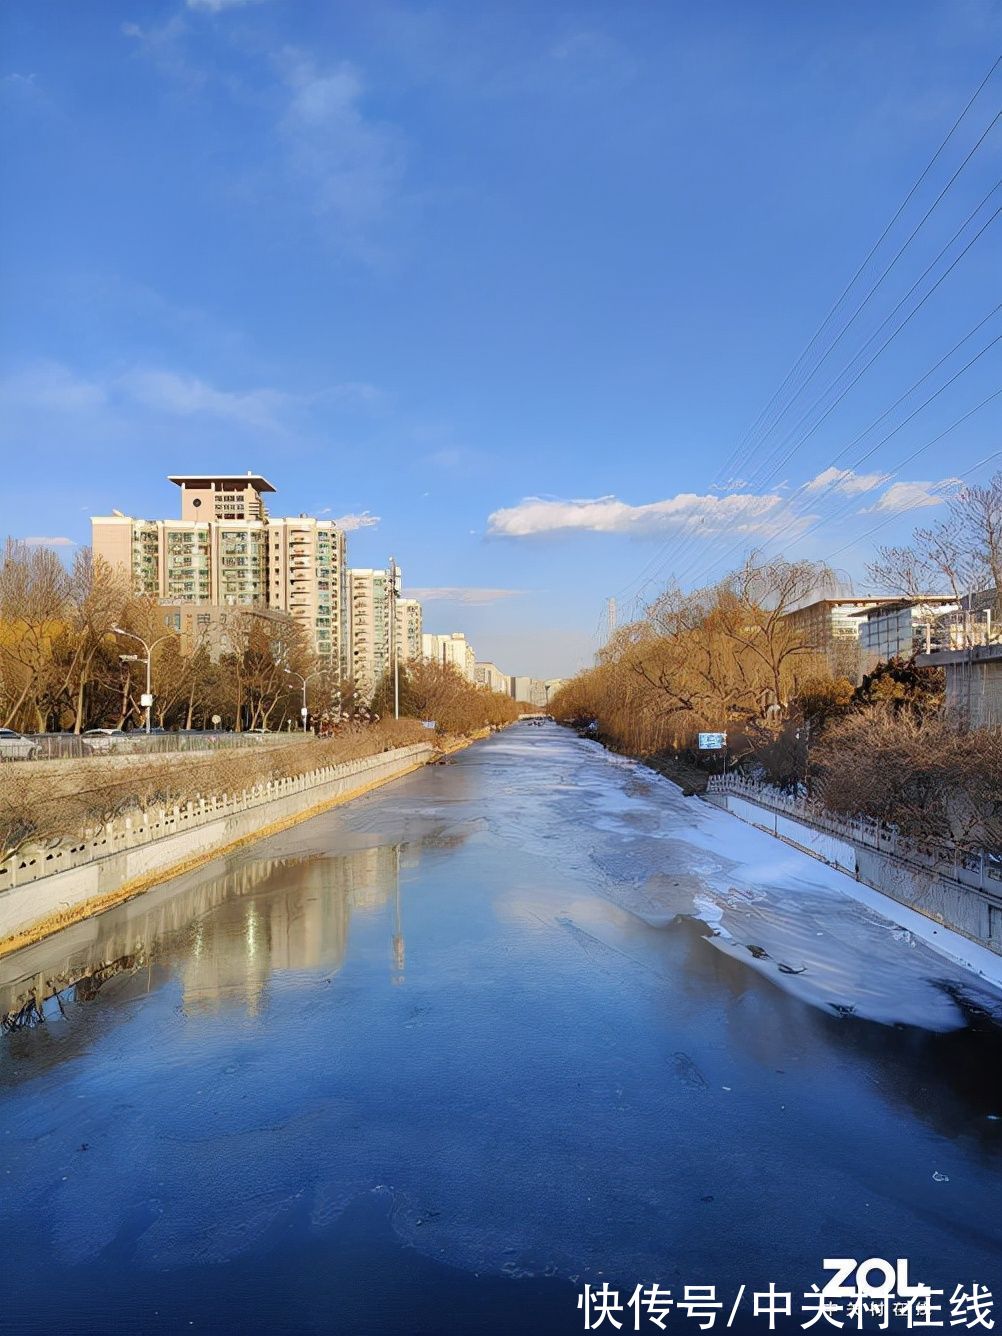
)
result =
(902, 496)
(351, 522)
(52, 386)
(353, 164)
(463, 594)
(702, 515)
(47, 542)
(846, 481)
(164, 45)
(187, 396)
(214, 6)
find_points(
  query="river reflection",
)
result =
(222, 937)
(424, 1063)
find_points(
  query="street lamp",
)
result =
(147, 697)
(303, 680)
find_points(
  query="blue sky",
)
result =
(507, 283)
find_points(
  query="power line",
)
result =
(905, 509)
(873, 250)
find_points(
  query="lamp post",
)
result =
(149, 647)
(304, 712)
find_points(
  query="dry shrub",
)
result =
(48, 801)
(929, 779)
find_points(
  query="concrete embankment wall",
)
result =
(974, 913)
(43, 891)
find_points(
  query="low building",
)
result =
(904, 627)
(973, 682)
(830, 627)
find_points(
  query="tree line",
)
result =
(72, 657)
(727, 658)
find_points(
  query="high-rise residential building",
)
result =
(226, 552)
(308, 578)
(409, 625)
(452, 651)
(369, 592)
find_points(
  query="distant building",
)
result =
(451, 650)
(409, 629)
(226, 552)
(529, 690)
(902, 627)
(553, 685)
(489, 675)
(830, 627)
(370, 626)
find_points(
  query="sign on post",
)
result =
(712, 741)
(146, 700)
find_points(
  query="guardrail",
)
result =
(141, 828)
(978, 870)
(75, 746)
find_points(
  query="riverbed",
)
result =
(515, 1023)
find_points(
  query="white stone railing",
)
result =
(140, 828)
(980, 871)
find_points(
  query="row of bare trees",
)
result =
(439, 692)
(68, 656)
(723, 658)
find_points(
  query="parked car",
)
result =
(103, 739)
(16, 747)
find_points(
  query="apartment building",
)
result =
(451, 650)
(489, 675)
(369, 632)
(409, 628)
(308, 579)
(226, 552)
(530, 691)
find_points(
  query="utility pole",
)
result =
(392, 595)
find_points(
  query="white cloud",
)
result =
(47, 542)
(463, 594)
(52, 387)
(352, 164)
(901, 496)
(846, 481)
(702, 515)
(187, 396)
(351, 522)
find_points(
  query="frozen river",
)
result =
(430, 1062)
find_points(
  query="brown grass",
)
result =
(39, 805)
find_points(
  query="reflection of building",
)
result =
(226, 552)
(229, 933)
(452, 651)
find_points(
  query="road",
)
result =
(431, 1062)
